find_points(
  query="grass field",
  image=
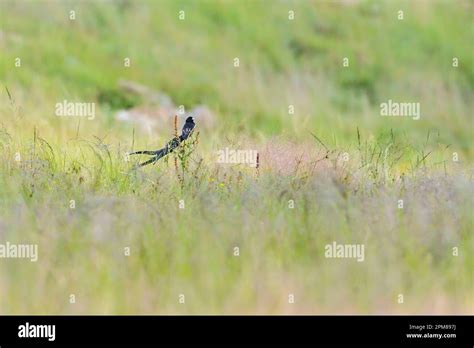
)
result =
(191, 235)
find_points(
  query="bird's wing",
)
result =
(187, 129)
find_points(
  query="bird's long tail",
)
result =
(172, 144)
(145, 152)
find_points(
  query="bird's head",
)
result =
(190, 119)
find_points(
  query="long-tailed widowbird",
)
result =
(172, 144)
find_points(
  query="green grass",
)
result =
(190, 251)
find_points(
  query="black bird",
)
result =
(172, 144)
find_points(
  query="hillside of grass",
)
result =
(282, 62)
